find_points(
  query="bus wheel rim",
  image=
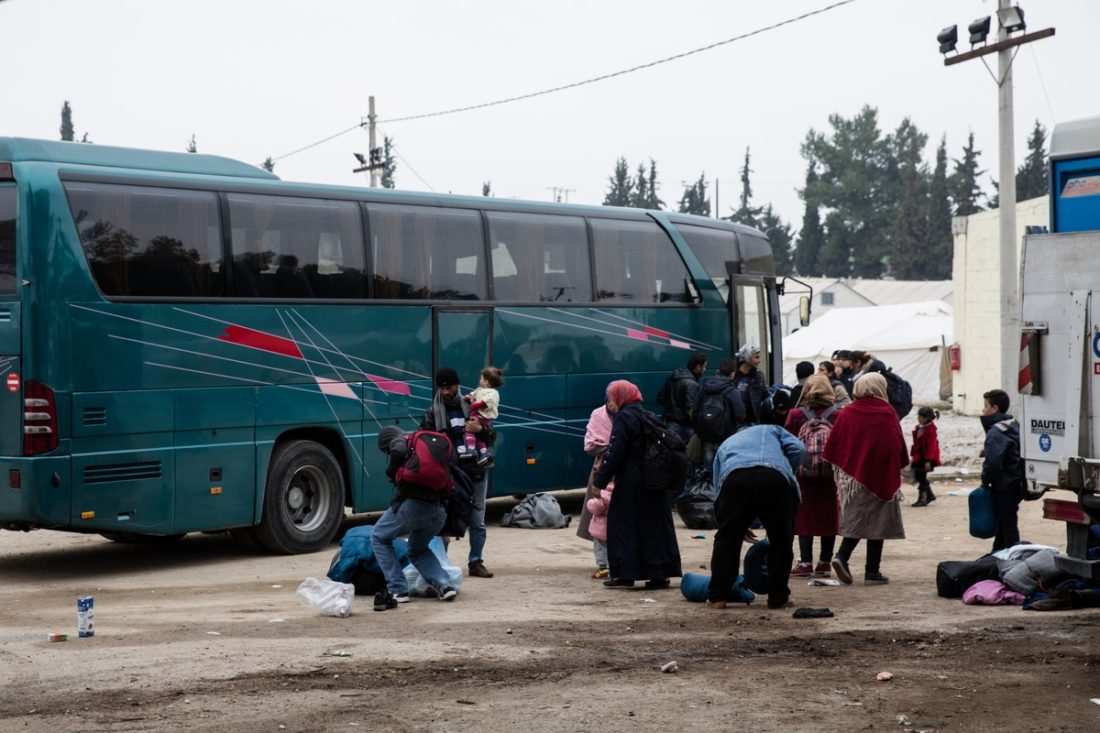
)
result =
(307, 498)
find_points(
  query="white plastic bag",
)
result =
(327, 596)
(418, 586)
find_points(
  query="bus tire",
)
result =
(129, 538)
(304, 499)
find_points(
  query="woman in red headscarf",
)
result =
(641, 537)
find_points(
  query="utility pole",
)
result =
(561, 194)
(1010, 36)
(716, 214)
(1010, 301)
(372, 134)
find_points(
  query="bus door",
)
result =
(11, 405)
(462, 340)
(748, 313)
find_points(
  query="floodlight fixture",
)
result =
(948, 38)
(361, 158)
(1012, 19)
(979, 30)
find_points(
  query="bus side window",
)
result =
(287, 247)
(423, 252)
(540, 258)
(147, 241)
(7, 240)
(636, 262)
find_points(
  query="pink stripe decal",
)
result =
(679, 344)
(336, 389)
(390, 385)
(636, 334)
(260, 340)
(656, 332)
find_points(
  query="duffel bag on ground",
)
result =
(953, 577)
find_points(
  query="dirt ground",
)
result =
(209, 636)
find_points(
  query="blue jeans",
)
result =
(421, 521)
(477, 519)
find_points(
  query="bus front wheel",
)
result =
(304, 499)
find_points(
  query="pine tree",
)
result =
(268, 165)
(487, 188)
(779, 235)
(67, 130)
(389, 164)
(852, 185)
(940, 239)
(192, 145)
(620, 185)
(965, 189)
(694, 200)
(811, 238)
(746, 213)
(653, 201)
(1032, 178)
(907, 192)
(640, 195)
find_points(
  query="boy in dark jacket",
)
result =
(416, 511)
(750, 382)
(1002, 470)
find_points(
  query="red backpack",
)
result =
(814, 433)
(428, 464)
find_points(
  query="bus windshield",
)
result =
(714, 248)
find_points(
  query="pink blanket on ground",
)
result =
(992, 593)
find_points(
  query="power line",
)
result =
(407, 164)
(1042, 83)
(588, 81)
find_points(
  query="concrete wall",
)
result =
(976, 275)
(843, 297)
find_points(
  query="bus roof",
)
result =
(52, 151)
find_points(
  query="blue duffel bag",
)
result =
(696, 588)
(983, 522)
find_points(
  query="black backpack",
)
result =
(664, 456)
(459, 504)
(712, 420)
(899, 393)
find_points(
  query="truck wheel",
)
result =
(304, 499)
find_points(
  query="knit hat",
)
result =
(746, 352)
(387, 435)
(446, 377)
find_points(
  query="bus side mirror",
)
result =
(804, 310)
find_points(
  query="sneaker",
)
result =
(401, 597)
(384, 601)
(802, 570)
(448, 594)
(875, 579)
(478, 570)
(843, 574)
(601, 574)
(717, 605)
(822, 570)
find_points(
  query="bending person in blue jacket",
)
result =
(754, 475)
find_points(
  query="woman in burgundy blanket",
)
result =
(867, 451)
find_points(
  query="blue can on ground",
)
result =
(85, 617)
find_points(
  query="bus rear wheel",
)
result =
(304, 499)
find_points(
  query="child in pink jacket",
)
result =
(597, 507)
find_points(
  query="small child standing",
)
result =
(484, 407)
(925, 454)
(598, 507)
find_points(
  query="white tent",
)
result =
(909, 338)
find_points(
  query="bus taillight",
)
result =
(39, 419)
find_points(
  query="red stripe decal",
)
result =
(636, 334)
(262, 341)
(656, 332)
(390, 385)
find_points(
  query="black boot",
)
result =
(922, 497)
(928, 495)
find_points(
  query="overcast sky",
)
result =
(253, 79)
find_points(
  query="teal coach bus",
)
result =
(189, 343)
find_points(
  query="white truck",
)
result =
(1059, 376)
